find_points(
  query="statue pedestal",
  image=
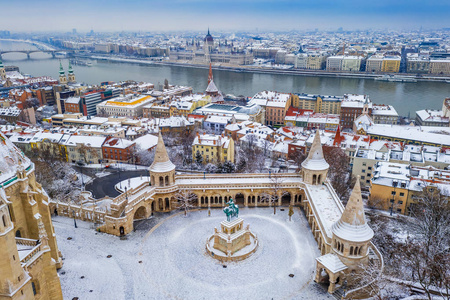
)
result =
(233, 242)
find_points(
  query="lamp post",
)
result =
(74, 219)
(82, 182)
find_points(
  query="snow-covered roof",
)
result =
(147, 141)
(11, 158)
(331, 262)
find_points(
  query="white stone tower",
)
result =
(352, 234)
(315, 167)
(162, 170)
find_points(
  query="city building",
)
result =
(440, 66)
(391, 64)
(374, 63)
(318, 103)
(29, 254)
(84, 149)
(90, 99)
(353, 106)
(384, 114)
(213, 148)
(211, 52)
(127, 106)
(429, 117)
(395, 187)
(118, 150)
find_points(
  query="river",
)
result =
(405, 97)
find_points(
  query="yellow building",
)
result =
(318, 103)
(394, 186)
(213, 148)
(29, 255)
(391, 64)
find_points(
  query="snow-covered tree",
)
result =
(211, 168)
(186, 200)
(228, 167)
(428, 255)
(198, 158)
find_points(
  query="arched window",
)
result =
(167, 180)
(161, 181)
(314, 179)
(339, 246)
(4, 220)
(351, 250)
(319, 181)
(356, 251)
(18, 234)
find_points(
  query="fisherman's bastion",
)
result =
(342, 234)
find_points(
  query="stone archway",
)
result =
(239, 199)
(286, 199)
(140, 213)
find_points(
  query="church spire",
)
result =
(210, 76)
(315, 159)
(161, 162)
(61, 70)
(70, 71)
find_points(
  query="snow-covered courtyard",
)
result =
(169, 261)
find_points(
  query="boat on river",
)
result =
(396, 78)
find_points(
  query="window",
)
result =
(400, 202)
(402, 194)
(370, 168)
(363, 177)
(392, 200)
(364, 171)
(393, 193)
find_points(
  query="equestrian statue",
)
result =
(232, 210)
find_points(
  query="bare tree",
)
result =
(298, 156)
(275, 192)
(339, 171)
(185, 200)
(428, 256)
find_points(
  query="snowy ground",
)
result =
(170, 261)
(131, 183)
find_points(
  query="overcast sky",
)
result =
(165, 15)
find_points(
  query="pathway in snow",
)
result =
(174, 263)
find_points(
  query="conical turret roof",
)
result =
(161, 163)
(315, 160)
(352, 225)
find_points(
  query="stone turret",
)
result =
(315, 167)
(352, 234)
(162, 170)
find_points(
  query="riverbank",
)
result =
(263, 70)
